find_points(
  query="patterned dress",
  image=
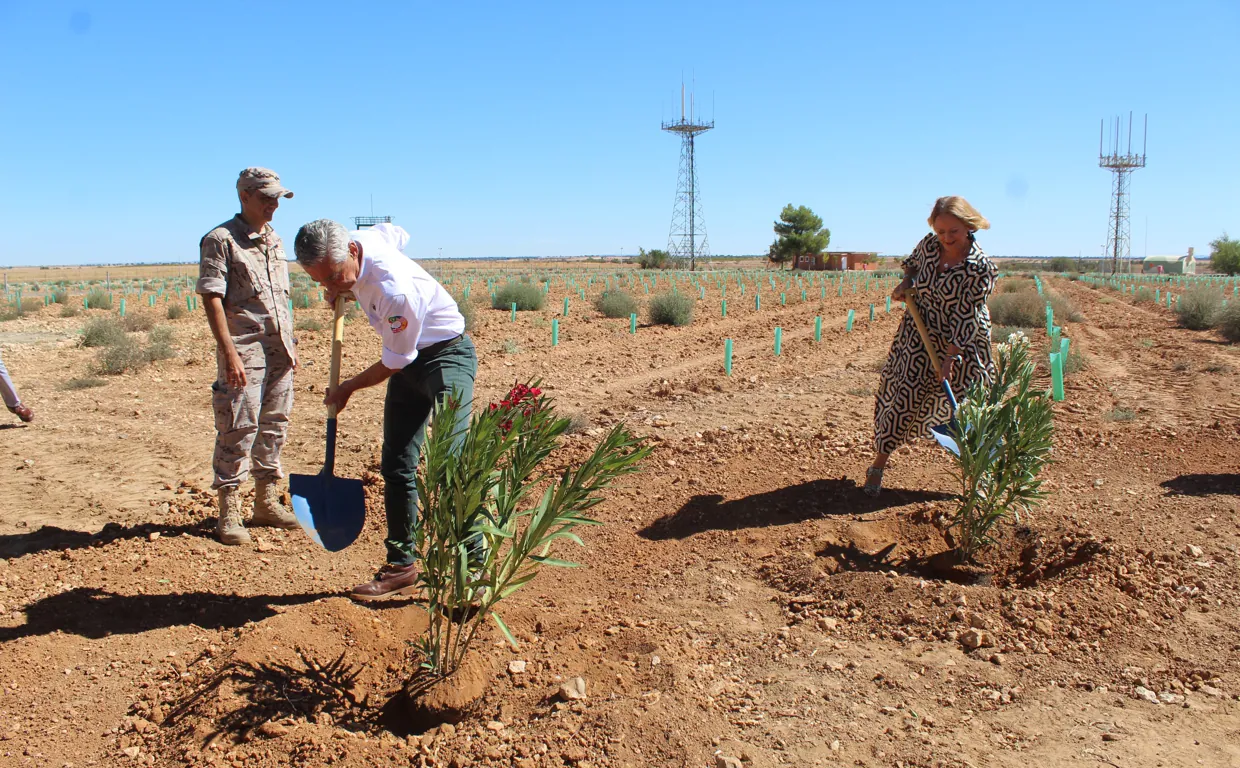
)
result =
(953, 306)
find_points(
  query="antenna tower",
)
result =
(687, 238)
(1119, 246)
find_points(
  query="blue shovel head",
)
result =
(945, 434)
(332, 510)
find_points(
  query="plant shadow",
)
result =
(54, 538)
(1203, 484)
(95, 613)
(273, 691)
(784, 506)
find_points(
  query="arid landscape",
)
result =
(743, 603)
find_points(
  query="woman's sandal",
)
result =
(873, 481)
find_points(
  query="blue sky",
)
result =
(515, 129)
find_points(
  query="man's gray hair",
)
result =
(321, 241)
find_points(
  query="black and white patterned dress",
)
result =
(953, 306)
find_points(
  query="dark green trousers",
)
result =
(411, 397)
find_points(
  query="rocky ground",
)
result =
(744, 603)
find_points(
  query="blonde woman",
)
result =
(953, 278)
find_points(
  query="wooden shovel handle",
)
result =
(910, 303)
(333, 379)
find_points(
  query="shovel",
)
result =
(945, 434)
(330, 509)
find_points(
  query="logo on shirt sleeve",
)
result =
(397, 323)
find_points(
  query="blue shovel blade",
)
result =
(331, 510)
(944, 434)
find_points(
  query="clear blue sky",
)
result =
(512, 129)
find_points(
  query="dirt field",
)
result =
(744, 599)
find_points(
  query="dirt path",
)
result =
(743, 598)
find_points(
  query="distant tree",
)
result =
(1225, 255)
(1060, 264)
(799, 231)
(653, 258)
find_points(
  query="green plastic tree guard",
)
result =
(514, 311)
(889, 304)
(1057, 377)
(849, 324)
(122, 307)
(723, 305)
(871, 313)
(818, 328)
(555, 333)
(566, 306)
(633, 322)
(779, 340)
(757, 301)
(727, 356)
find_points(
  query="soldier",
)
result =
(243, 279)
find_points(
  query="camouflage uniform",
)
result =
(250, 272)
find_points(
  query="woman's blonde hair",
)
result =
(959, 207)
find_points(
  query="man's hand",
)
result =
(234, 371)
(339, 396)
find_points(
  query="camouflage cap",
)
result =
(262, 180)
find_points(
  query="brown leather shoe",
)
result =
(23, 413)
(390, 580)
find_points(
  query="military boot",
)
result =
(230, 527)
(269, 509)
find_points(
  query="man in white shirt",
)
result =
(426, 357)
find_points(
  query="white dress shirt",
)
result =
(408, 308)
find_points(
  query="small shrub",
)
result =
(1022, 310)
(1076, 362)
(1228, 321)
(86, 382)
(159, 344)
(302, 298)
(176, 311)
(1060, 264)
(510, 347)
(653, 259)
(1120, 414)
(308, 324)
(98, 298)
(60, 296)
(1143, 296)
(860, 392)
(467, 311)
(102, 332)
(138, 322)
(70, 310)
(671, 309)
(1198, 307)
(1064, 309)
(1017, 285)
(616, 303)
(124, 355)
(527, 297)
(1005, 430)
(1000, 333)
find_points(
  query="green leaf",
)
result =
(552, 561)
(504, 628)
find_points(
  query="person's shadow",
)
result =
(52, 538)
(783, 506)
(95, 613)
(1204, 485)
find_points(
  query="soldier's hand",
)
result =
(234, 371)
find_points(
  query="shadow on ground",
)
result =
(1204, 485)
(96, 613)
(784, 506)
(55, 539)
(309, 688)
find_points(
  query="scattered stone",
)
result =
(976, 638)
(272, 729)
(1110, 737)
(516, 667)
(827, 624)
(1044, 627)
(132, 752)
(1193, 550)
(1210, 690)
(573, 689)
(152, 536)
(447, 730)
(727, 761)
(1147, 695)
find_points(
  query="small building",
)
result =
(1184, 264)
(835, 260)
